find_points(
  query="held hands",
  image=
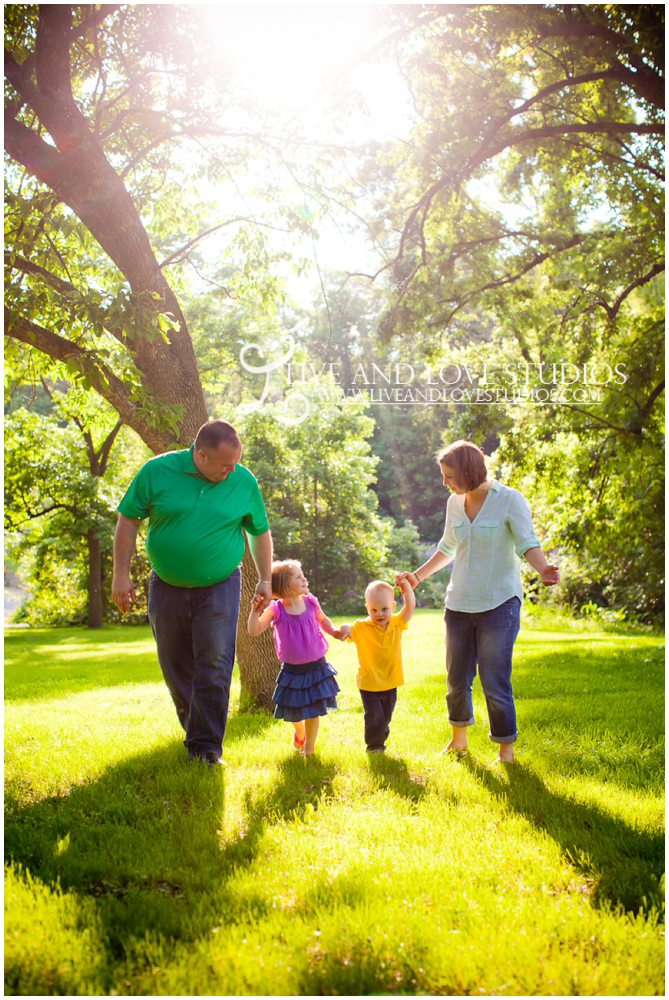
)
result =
(550, 575)
(262, 597)
(401, 579)
(343, 632)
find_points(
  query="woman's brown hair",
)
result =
(467, 461)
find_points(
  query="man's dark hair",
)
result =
(214, 433)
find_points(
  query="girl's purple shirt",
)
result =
(298, 638)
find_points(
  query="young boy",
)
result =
(377, 641)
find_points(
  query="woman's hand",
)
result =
(410, 578)
(550, 575)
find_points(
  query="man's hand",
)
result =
(411, 579)
(262, 597)
(123, 592)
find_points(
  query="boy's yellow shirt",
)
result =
(379, 653)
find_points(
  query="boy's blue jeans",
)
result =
(195, 629)
(378, 707)
(485, 638)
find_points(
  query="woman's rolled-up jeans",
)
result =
(483, 638)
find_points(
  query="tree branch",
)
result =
(19, 263)
(52, 52)
(208, 232)
(555, 132)
(573, 81)
(102, 455)
(103, 380)
(11, 524)
(657, 391)
(529, 135)
(95, 19)
(647, 82)
(612, 311)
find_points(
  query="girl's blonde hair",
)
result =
(280, 573)
(467, 461)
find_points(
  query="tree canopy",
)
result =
(101, 104)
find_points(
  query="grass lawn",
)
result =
(134, 872)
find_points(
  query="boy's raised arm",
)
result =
(409, 600)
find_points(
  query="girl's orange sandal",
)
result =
(299, 744)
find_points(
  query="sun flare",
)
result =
(289, 51)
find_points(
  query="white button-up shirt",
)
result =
(486, 567)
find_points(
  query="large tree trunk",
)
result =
(258, 663)
(74, 165)
(94, 580)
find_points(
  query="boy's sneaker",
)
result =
(210, 758)
(376, 749)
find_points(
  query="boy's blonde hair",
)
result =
(379, 585)
(280, 572)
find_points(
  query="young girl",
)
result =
(306, 685)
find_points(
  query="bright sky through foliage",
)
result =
(300, 56)
(290, 52)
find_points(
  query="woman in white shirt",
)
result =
(488, 526)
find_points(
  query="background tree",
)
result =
(60, 504)
(341, 328)
(101, 102)
(527, 227)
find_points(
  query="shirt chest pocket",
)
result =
(486, 532)
(461, 530)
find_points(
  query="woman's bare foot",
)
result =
(458, 742)
(505, 753)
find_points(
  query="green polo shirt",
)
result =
(195, 526)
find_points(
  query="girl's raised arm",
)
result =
(326, 624)
(258, 623)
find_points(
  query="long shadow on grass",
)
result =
(393, 774)
(144, 842)
(625, 865)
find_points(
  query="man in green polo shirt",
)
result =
(197, 502)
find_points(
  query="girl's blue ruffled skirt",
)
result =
(305, 690)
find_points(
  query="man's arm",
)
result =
(261, 552)
(125, 537)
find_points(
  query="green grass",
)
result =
(132, 871)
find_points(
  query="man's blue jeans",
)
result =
(195, 629)
(485, 638)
